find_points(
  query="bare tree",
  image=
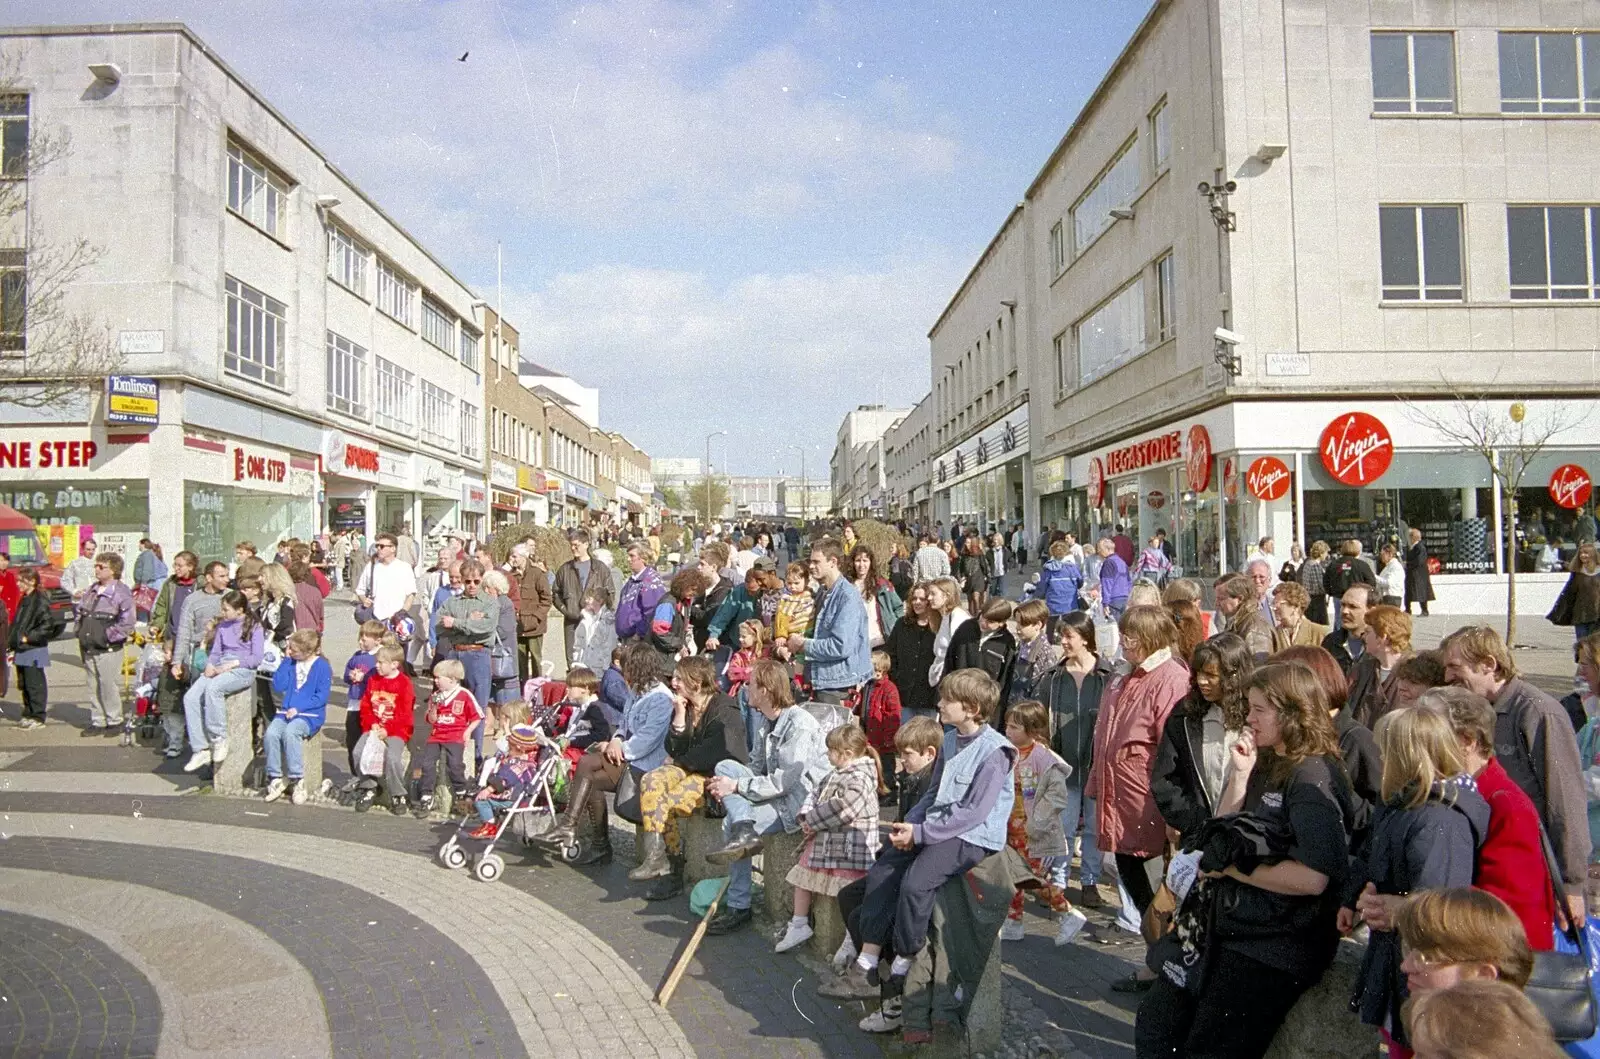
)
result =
(1508, 440)
(47, 353)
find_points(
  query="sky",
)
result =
(732, 216)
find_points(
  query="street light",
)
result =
(805, 485)
(709, 436)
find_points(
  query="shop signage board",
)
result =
(474, 497)
(503, 475)
(1356, 449)
(141, 341)
(1570, 486)
(351, 457)
(1164, 448)
(1050, 475)
(1156, 499)
(46, 455)
(258, 467)
(133, 399)
(1198, 459)
(1268, 479)
(1097, 482)
(1288, 364)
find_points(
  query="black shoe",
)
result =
(743, 843)
(92, 731)
(1132, 984)
(423, 807)
(727, 920)
(665, 888)
(365, 797)
(596, 853)
(397, 806)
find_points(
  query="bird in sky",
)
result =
(463, 57)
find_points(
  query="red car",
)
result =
(19, 540)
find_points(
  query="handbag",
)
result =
(627, 796)
(1157, 918)
(1560, 985)
(502, 660)
(271, 659)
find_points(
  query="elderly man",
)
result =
(465, 626)
(640, 593)
(530, 595)
(1115, 581)
(79, 577)
(1260, 573)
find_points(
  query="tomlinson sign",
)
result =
(1356, 449)
(1570, 486)
(1163, 449)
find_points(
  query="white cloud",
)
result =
(773, 359)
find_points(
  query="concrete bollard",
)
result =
(229, 777)
(827, 926)
(780, 853)
(700, 837)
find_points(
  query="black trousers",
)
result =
(1141, 877)
(352, 734)
(901, 887)
(428, 767)
(35, 691)
(1235, 1015)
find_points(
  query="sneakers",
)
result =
(219, 751)
(794, 937)
(367, 795)
(397, 804)
(1013, 930)
(424, 806)
(484, 830)
(845, 956)
(882, 1020)
(172, 752)
(30, 722)
(1072, 921)
(275, 789)
(198, 760)
(298, 795)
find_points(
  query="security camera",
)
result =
(1226, 337)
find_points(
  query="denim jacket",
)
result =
(790, 761)
(644, 729)
(837, 653)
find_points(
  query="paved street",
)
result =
(139, 915)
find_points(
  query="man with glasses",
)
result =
(466, 625)
(388, 586)
(838, 655)
(105, 621)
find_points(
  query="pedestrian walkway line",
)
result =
(560, 983)
(181, 947)
(139, 784)
(11, 757)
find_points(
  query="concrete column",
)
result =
(1299, 502)
(1469, 502)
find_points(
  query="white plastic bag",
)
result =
(370, 752)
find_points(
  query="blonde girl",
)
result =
(753, 646)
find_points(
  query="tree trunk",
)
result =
(1509, 508)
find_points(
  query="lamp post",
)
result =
(709, 436)
(805, 485)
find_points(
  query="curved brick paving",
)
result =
(67, 994)
(371, 925)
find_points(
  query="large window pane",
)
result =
(1441, 235)
(1435, 71)
(1519, 72)
(1558, 71)
(1525, 234)
(1397, 228)
(1112, 335)
(1569, 251)
(1391, 71)
(1591, 70)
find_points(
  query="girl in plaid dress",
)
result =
(841, 826)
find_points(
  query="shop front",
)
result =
(474, 507)
(236, 490)
(505, 498)
(983, 480)
(536, 488)
(350, 479)
(78, 482)
(582, 503)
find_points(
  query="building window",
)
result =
(469, 348)
(1064, 373)
(438, 416)
(1549, 73)
(1114, 188)
(347, 376)
(14, 137)
(13, 301)
(1414, 73)
(1160, 137)
(347, 261)
(397, 390)
(1112, 335)
(256, 328)
(438, 326)
(1058, 249)
(471, 431)
(1166, 300)
(255, 191)
(396, 294)
(1554, 255)
(1421, 249)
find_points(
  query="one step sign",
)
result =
(133, 399)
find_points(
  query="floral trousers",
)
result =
(665, 794)
(1048, 894)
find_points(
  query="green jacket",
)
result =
(475, 620)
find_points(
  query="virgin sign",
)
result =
(1267, 478)
(1097, 482)
(1570, 486)
(1198, 461)
(1356, 448)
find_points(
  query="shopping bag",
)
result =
(370, 753)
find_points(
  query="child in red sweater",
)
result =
(880, 719)
(388, 710)
(453, 714)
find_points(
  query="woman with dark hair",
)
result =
(1273, 928)
(973, 569)
(29, 640)
(884, 608)
(1071, 693)
(669, 625)
(910, 650)
(1357, 746)
(1196, 751)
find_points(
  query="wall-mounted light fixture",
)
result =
(110, 73)
(1268, 153)
(1122, 213)
(327, 202)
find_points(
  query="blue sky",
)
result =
(714, 211)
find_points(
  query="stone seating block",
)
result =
(229, 777)
(1320, 1025)
(700, 836)
(827, 926)
(779, 853)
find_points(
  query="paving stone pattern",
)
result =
(391, 984)
(65, 994)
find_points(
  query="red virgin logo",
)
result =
(1356, 449)
(1268, 478)
(1570, 486)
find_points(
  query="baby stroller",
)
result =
(533, 804)
(142, 722)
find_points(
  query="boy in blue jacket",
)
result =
(362, 664)
(302, 683)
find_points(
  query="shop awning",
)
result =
(505, 501)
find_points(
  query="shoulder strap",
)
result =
(1573, 931)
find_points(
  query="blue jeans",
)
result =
(488, 806)
(752, 720)
(1581, 630)
(205, 706)
(285, 741)
(1090, 855)
(477, 664)
(763, 814)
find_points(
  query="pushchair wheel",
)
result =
(452, 856)
(488, 867)
(570, 852)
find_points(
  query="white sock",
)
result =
(867, 961)
(798, 921)
(900, 966)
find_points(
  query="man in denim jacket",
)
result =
(838, 655)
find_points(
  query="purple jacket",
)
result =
(229, 644)
(640, 594)
(116, 603)
(1115, 582)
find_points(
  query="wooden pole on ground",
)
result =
(671, 984)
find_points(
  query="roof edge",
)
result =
(972, 273)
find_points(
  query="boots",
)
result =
(598, 849)
(655, 857)
(566, 830)
(742, 842)
(667, 886)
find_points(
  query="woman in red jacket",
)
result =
(1133, 714)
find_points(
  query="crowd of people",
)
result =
(1260, 777)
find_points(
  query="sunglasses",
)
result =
(472, 580)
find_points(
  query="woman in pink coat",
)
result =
(1133, 713)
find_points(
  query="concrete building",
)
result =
(519, 491)
(907, 465)
(749, 496)
(1398, 206)
(855, 470)
(294, 359)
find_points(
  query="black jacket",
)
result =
(912, 787)
(1073, 710)
(1362, 762)
(910, 649)
(996, 655)
(705, 608)
(717, 737)
(1344, 571)
(963, 650)
(1335, 644)
(1419, 583)
(34, 625)
(1175, 774)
